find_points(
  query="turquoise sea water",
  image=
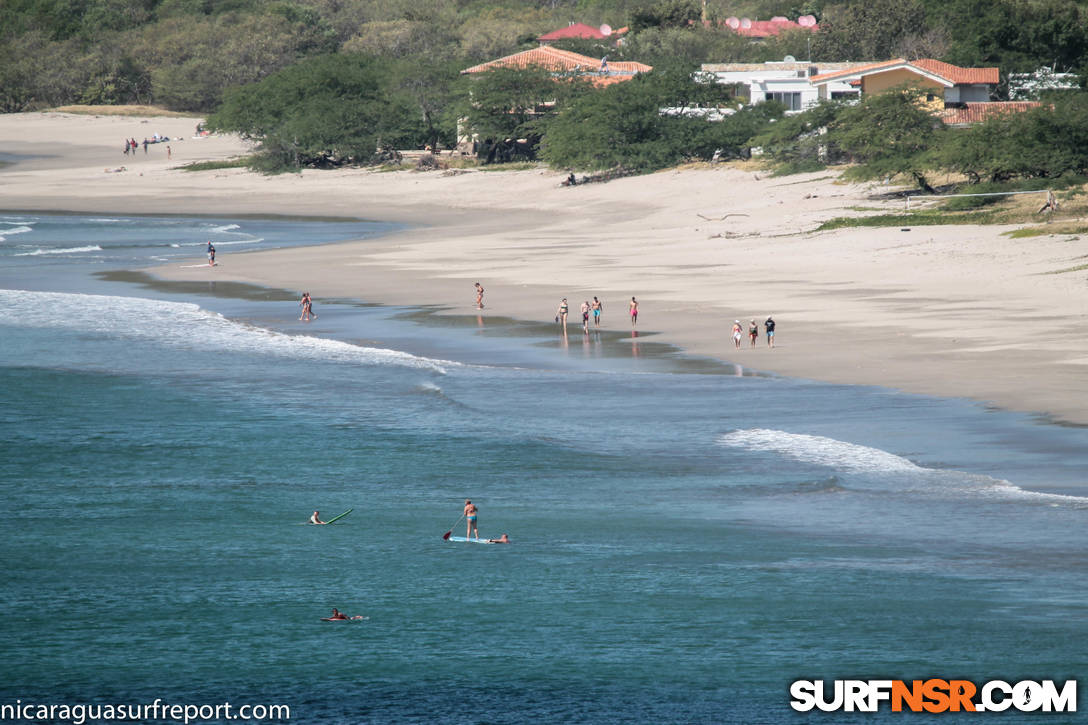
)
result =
(686, 540)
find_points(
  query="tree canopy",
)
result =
(322, 111)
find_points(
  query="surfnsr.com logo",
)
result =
(933, 695)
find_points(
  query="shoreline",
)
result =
(960, 312)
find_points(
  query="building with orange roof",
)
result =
(943, 83)
(563, 65)
(968, 114)
(566, 63)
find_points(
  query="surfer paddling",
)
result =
(504, 539)
(338, 616)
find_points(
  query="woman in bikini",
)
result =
(753, 332)
(736, 333)
(479, 296)
(470, 518)
(561, 313)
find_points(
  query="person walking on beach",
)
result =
(585, 317)
(169, 153)
(561, 313)
(307, 304)
(736, 333)
(479, 296)
(634, 312)
(211, 254)
(769, 327)
(597, 308)
(753, 333)
(470, 519)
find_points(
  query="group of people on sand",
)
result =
(753, 332)
(594, 309)
(307, 305)
(131, 144)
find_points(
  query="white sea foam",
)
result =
(186, 325)
(64, 250)
(819, 450)
(224, 229)
(21, 228)
(854, 458)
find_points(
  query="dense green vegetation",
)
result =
(324, 82)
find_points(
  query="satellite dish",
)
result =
(745, 23)
(732, 22)
(606, 29)
(789, 59)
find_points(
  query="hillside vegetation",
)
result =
(329, 82)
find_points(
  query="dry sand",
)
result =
(954, 311)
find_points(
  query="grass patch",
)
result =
(1047, 230)
(1078, 268)
(123, 111)
(235, 163)
(514, 166)
(910, 219)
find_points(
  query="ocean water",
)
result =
(689, 537)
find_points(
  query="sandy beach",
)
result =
(963, 311)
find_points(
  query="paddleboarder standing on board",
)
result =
(315, 518)
(470, 519)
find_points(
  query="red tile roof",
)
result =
(562, 61)
(972, 113)
(990, 76)
(769, 28)
(574, 30)
(951, 74)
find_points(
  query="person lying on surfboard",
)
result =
(338, 616)
(504, 539)
(316, 519)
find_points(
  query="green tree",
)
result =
(327, 110)
(666, 14)
(887, 134)
(650, 122)
(514, 103)
(871, 30)
(800, 140)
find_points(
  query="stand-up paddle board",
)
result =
(356, 618)
(471, 541)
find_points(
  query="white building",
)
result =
(784, 81)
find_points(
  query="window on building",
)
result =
(835, 95)
(792, 101)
